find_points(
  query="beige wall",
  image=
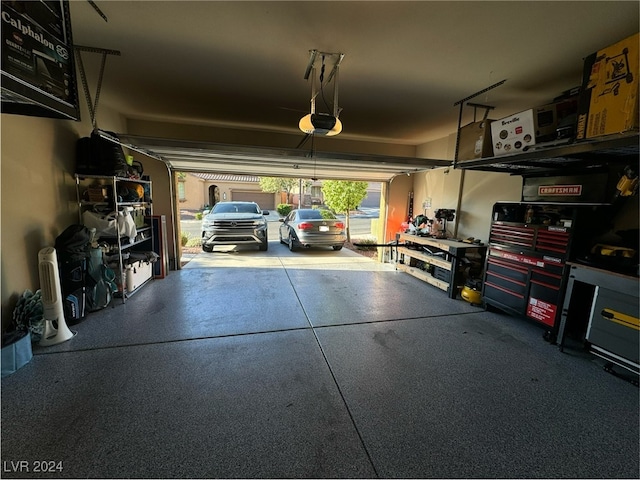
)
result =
(438, 149)
(195, 193)
(38, 193)
(480, 191)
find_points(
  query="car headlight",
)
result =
(207, 224)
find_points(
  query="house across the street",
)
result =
(199, 190)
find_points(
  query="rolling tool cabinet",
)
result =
(529, 245)
(604, 305)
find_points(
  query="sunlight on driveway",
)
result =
(278, 256)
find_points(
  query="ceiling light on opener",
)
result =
(320, 124)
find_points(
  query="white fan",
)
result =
(51, 300)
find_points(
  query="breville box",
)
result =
(474, 141)
(609, 98)
(513, 134)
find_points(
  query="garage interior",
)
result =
(312, 364)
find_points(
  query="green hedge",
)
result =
(284, 209)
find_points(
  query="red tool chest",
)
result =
(529, 245)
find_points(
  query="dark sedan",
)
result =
(307, 227)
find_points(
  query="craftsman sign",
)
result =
(560, 190)
(542, 311)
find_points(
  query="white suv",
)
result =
(235, 223)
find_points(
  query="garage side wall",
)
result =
(472, 194)
(38, 193)
(440, 187)
(480, 191)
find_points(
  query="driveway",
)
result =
(360, 228)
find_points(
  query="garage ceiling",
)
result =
(241, 65)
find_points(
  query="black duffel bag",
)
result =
(72, 250)
(96, 155)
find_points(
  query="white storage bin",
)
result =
(138, 273)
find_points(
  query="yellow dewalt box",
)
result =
(609, 97)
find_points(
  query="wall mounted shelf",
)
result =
(601, 152)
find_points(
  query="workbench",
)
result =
(445, 259)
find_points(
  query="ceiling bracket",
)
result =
(323, 123)
(97, 9)
(487, 109)
(474, 105)
(92, 105)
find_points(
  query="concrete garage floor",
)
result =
(313, 364)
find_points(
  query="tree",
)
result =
(342, 196)
(278, 184)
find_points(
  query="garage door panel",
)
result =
(265, 200)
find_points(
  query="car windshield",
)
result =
(235, 208)
(314, 215)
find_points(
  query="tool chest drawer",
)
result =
(507, 269)
(553, 240)
(512, 236)
(497, 295)
(499, 280)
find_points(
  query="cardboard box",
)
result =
(474, 141)
(546, 121)
(513, 134)
(609, 98)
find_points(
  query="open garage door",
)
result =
(205, 157)
(191, 156)
(265, 200)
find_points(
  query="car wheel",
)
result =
(264, 246)
(207, 248)
(337, 247)
(292, 245)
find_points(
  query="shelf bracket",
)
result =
(475, 105)
(92, 105)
